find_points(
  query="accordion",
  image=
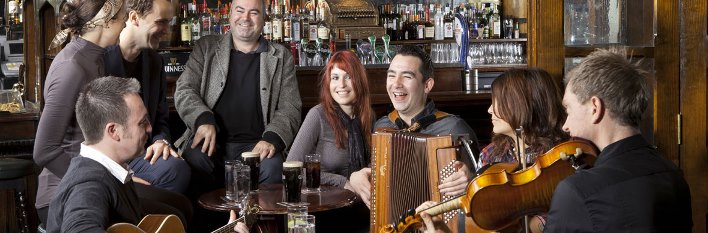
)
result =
(406, 170)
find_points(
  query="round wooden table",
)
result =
(269, 195)
(271, 216)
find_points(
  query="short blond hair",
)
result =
(621, 84)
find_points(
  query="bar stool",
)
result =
(12, 177)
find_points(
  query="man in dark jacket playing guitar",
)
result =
(97, 190)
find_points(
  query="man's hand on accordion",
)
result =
(456, 183)
(360, 183)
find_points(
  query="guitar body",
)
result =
(153, 223)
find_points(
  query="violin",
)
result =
(499, 196)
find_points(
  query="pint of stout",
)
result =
(292, 180)
(253, 160)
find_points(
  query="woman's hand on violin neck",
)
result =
(359, 183)
(456, 183)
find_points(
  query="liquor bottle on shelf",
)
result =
(216, 22)
(439, 24)
(427, 22)
(185, 28)
(225, 24)
(305, 24)
(287, 24)
(196, 22)
(205, 19)
(322, 29)
(296, 33)
(516, 30)
(396, 20)
(312, 34)
(268, 24)
(448, 21)
(420, 23)
(495, 23)
(277, 24)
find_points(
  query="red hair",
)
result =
(348, 62)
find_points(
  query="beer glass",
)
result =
(229, 180)
(253, 160)
(242, 181)
(312, 172)
(292, 180)
(303, 224)
(295, 210)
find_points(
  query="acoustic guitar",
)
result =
(155, 223)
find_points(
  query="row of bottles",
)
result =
(199, 20)
(285, 23)
(433, 22)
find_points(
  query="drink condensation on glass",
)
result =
(302, 224)
(229, 180)
(295, 210)
(312, 172)
(242, 180)
(292, 180)
(253, 160)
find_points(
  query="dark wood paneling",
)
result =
(694, 154)
(667, 83)
(549, 41)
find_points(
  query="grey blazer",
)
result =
(204, 78)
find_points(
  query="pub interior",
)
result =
(484, 38)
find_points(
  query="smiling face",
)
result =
(405, 85)
(246, 20)
(500, 125)
(341, 87)
(154, 24)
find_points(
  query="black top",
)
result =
(238, 110)
(630, 189)
(90, 199)
(148, 70)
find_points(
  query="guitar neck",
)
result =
(228, 228)
(444, 207)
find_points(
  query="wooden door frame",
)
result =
(693, 151)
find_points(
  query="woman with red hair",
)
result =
(339, 128)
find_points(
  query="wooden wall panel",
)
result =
(548, 46)
(667, 83)
(693, 152)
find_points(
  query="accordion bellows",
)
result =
(406, 171)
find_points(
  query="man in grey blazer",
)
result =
(238, 93)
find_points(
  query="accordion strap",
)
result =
(420, 123)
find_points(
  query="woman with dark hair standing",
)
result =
(339, 128)
(92, 26)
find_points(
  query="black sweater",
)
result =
(90, 199)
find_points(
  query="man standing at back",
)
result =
(135, 57)
(238, 93)
(631, 188)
